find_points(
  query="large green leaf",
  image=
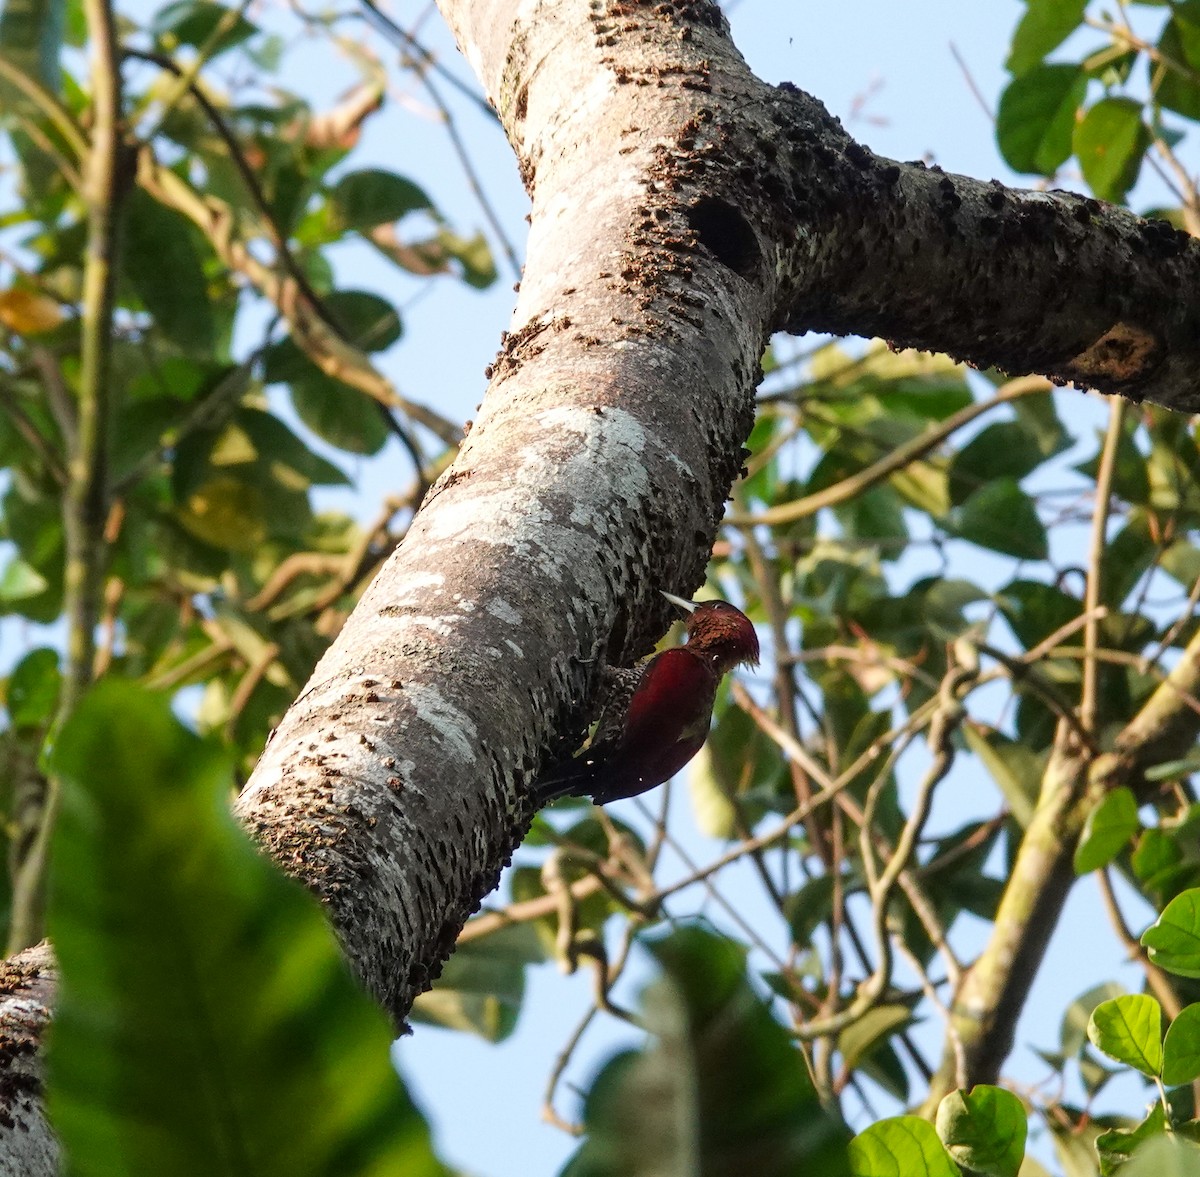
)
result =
(362, 200)
(163, 266)
(1045, 25)
(1173, 939)
(1181, 1048)
(1129, 1029)
(903, 1146)
(722, 1090)
(1002, 517)
(1111, 141)
(339, 414)
(984, 1130)
(1037, 116)
(206, 1022)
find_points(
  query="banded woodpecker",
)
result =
(656, 716)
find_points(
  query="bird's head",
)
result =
(721, 630)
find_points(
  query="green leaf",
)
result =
(162, 265)
(275, 445)
(1036, 117)
(810, 906)
(668, 1111)
(1181, 1048)
(339, 414)
(1045, 25)
(1110, 142)
(482, 985)
(239, 1043)
(1129, 1029)
(984, 1130)
(1178, 90)
(20, 581)
(1005, 449)
(862, 1036)
(1116, 1146)
(362, 200)
(903, 1146)
(32, 694)
(1128, 556)
(226, 512)
(1107, 831)
(196, 22)
(735, 758)
(1165, 1156)
(368, 321)
(31, 38)
(1001, 517)
(1035, 610)
(1072, 1033)
(1130, 480)
(1173, 940)
(1155, 850)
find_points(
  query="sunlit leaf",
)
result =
(984, 1130)
(1181, 1048)
(1173, 939)
(1129, 1029)
(28, 313)
(904, 1146)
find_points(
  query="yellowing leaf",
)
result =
(28, 313)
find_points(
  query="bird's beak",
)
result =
(690, 606)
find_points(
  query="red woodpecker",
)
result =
(656, 716)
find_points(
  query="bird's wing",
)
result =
(673, 699)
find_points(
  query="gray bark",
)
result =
(27, 983)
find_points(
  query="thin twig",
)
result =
(1088, 702)
(85, 501)
(392, 30)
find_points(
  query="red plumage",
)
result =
(656, 717)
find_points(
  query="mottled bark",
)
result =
(27, 984)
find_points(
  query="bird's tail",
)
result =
(574, 776)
